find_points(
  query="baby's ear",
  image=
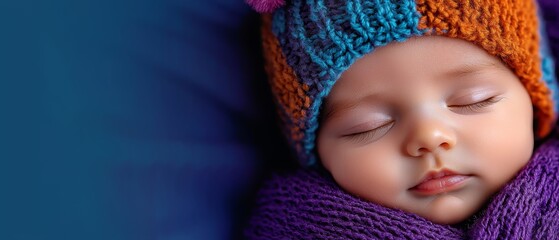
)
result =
(265, 6)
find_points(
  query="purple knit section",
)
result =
(550, 12)
(309, 205)
(528, 207)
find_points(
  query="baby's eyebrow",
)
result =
(470, 68)
(332, 109)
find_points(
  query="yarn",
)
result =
(309, 43)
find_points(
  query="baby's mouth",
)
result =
(436, 182)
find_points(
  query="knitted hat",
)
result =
(309, 43)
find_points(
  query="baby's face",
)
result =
(432, 126)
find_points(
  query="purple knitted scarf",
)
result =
(309, 205)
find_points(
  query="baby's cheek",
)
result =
(504, 159)
(497, 145)
(508, 168)
(372, 175)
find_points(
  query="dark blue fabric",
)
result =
(122, 119)
(550, 12)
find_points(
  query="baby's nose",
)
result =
(429, 135)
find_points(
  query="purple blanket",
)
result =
(308, 204)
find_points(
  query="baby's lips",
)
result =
(441, 181)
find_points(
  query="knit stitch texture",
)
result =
(308, 204)
(309, 43)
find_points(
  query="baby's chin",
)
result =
(447, 209)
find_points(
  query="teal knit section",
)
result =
(548, 65)
(322, 38)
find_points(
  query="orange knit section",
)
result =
(289, 93)
(506, 29)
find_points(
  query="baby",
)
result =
(437, 137)
(430, 107)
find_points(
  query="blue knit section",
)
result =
(548, 65)
(321, 39)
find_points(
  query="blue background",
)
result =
(127, 119)
(146, 119)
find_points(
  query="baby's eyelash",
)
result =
(375, 134)
(370, 135)
(474, 107)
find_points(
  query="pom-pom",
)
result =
(265, 6)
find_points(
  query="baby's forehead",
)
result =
(430, 57)
(426, 52)
(392, 73)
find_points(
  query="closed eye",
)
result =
(370, 135)
(475, 107)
